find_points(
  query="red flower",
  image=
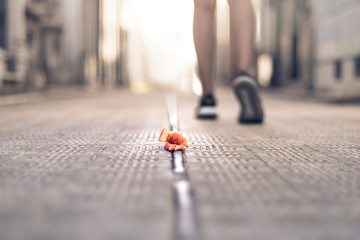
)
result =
(174, 140)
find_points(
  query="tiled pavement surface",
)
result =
(91, 168)
(297, 176)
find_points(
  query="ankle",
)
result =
(243, 73)
(210, 95)
(208, 100)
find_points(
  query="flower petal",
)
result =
(174, 138)
(164, 135)
(170, 147)
(179, 147)
(185, 142)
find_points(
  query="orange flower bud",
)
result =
(174, 140)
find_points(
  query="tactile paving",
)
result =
(85, 169)
(297, 176)
(92, 168)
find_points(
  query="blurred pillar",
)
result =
(283, 29)
(123, 70)
(16, 24)
(3, 17)
(337, 49)
(16, 42)
(284, 34)
(109, 50)
(72, 38)
(305, 49)
(268, 39)
(91, 39)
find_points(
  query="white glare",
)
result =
(265, 69)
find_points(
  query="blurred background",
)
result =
(311, 45)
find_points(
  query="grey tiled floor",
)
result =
(297, 176)
(91, 167)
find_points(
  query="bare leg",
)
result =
(242, 36)
(204, 41)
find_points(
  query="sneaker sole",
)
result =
(206, 113)
(246, 92)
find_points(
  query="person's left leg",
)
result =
(203, 29)
(204, 40)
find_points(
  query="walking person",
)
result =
(242, 56)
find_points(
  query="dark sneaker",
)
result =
(246, 91)
(206, 108)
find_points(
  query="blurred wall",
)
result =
(72, 39)
(312, 44)
(337, 48)
(284, 35)
(41, 44)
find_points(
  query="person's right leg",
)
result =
(242, 36)
(242, 53)
(204, 15)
